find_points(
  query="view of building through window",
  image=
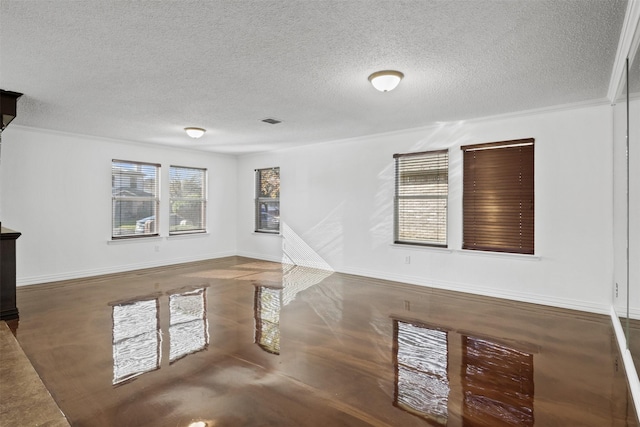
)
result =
(267, 215)
(134, 195)
(421, 195)
(187, 189)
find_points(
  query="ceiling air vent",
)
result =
(272, 121)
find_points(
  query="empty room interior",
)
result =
(320, 213)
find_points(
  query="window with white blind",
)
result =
(498, 196)
(267, 202)
(134, 199)
(421, 195)
(188, 189)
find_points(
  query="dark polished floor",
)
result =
(240, 342)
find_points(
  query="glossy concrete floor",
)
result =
(240, 342)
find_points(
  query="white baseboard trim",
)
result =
(634, 313)
(571, 304)
(627, 359)
(261, 257)
(484, 291)
(287, 260)
(48, 278)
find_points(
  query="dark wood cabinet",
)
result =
(8, 307)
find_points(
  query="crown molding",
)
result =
(627, 47)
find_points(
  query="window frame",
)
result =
(490, 213)
(202, 200)
(266, 200)
(426, 157)
(155, 199)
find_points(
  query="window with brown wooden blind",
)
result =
(498, 196)
(421, 194)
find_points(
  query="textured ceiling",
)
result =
(144, 70)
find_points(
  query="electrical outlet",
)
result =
(407, 260)
(616, 290)
(157, 248)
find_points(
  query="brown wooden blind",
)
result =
(498, 196)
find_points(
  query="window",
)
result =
(498, 197)
(267, 200)
(134, 195)
(187, 188)
(421, 198)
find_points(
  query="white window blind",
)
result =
(134, 195)
(267, 202)
(187, 188)
(421, 195)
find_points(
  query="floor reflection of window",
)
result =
(136, 339)
(497, 383)
(268, 302)
(188, 331)
(422, 382)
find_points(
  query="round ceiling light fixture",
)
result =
(194, 132)
(387, 80)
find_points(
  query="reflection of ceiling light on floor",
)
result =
(198, 424)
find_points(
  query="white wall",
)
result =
(620, 208)
(337, 207)
(634, 208)
(56, 190)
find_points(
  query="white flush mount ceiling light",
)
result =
(194, 132)
(387, 80)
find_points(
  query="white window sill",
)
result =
(125, 241)
(193, 235)
(408, 246)
(266, 233)
(423, 248)
(489, 254)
